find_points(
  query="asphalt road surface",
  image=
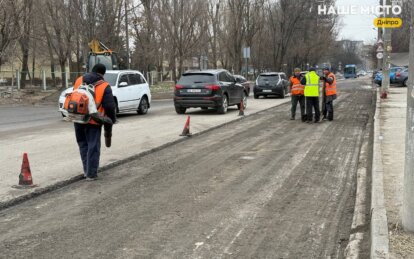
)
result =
(262, 187)
(17, 119)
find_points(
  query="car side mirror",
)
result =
(123, 84)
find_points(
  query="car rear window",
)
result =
(111, 78)
(196, 78)
(268, 78)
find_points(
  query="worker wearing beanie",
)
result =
(88, 136)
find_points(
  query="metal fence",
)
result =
(39, 80)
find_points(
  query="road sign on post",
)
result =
(246, 52)
(246, 56)
(380, 55)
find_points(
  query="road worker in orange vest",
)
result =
(88, 136)
(329, 94)
(297, 94)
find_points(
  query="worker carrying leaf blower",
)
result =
(89, 106)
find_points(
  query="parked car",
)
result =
(361, 73)
(401, 77)
(378, 78)
(130, 89)
(393, 71)
(272, 83)
(205, 89)
(243, 81)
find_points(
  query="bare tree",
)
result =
(58, 15)
(183, 22)
(7, 29)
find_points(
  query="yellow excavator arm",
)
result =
(98, 47)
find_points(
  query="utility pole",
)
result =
(127, 34)
(387, 56)
(408, 200)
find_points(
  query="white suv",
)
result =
(130, 89)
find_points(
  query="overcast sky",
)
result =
(357, 27)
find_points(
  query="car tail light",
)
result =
(178, 87)
(213, 87)
(397, 74)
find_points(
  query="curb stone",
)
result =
(379, 222)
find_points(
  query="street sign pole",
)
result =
(386, 64)
(246, 56)
(408, 199)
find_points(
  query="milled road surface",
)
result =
(263, 187)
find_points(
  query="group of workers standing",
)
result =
(305, 89)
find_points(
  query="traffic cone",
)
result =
(241, 110)
(186, 130)
(25, 177)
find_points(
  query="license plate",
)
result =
(193, 90)
(267, 91)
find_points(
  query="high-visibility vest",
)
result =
(330, 89)
(99, 93)
(297, 87)
(312, 84)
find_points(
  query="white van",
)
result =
(130, 89)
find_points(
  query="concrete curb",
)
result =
(379, 222)
(359, 220)
(61, 184)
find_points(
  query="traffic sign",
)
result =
(380, 49)
(380, 55)
(380, 41)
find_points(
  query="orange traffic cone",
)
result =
(241, 110)
(25, 177)
(186, 130)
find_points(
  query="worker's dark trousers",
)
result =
(327, 110)
(312, 103)
(301, 100)
(89, 141)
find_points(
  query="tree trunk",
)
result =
(62, 64)
(25, 66)
(52, 71)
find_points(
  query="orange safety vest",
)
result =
(297, 87)
(330, 89)
(99, 93)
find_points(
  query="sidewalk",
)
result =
(392, 114)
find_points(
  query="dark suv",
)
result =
(272, 83)
(205, 89)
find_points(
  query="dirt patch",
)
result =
(401, 242)
(27, 96)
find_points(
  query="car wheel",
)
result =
(283, 93)
(256, 96)
(143, 106)
(244, 102)
(223, 108)
(180, 110)
(405, 82)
